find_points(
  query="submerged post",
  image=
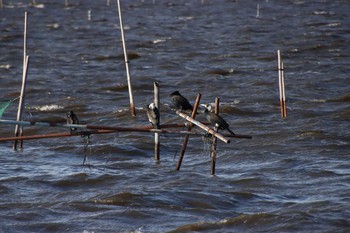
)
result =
(182, 153)
(156, 134)
(132, 106)
(213, 153)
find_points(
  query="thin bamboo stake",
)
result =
(258, 10)
(213, 153)
(204, 127)
(280, 81)
(132, 106)
(156, 135)
(283, 93)
(18, 129)
(184, 145)
(1, 4)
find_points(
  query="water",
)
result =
(293, 176)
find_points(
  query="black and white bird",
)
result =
(180, 102)
(153, 115)
(216, 120)
(72, 119)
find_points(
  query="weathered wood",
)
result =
(182, 153)
(204, 127)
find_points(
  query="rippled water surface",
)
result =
(293, 176)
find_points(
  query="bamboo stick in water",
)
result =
(182, 153)
(156, 135)
(213, 154)
(132, 106)
(19, 129)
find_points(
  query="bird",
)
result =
(216, 120)
(180, 102)
(153, 115)
(72, 119)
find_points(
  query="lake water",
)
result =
(293, 176)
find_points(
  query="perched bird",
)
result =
(153, 115)
(216, 120)
(180, 102)
(72, 119)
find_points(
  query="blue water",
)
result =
(292, 176)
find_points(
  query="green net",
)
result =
(3, 106)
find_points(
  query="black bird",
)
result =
(216, 120)
(153, 115)
(72, 119)
(180, 102)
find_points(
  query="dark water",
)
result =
(293, 176)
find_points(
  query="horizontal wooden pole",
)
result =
(204, 127)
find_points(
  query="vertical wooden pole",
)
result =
(19, 129)
(132, 106)
(1, 4)
(280, 81)
(281, 86)
(156, 135)
(213, 153)
(283, 92)
(182, 153)
(258, 11)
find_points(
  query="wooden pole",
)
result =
(283, 93)
(280, 82)
(18, 129)
(204, 127)
(156, 135)
(1, 4)
(132, 106)
(213, 153)
(258, 10)
(98, 131)
(182, 153)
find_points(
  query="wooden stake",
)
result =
(156, 135)
(1, 4)
(283, 93)
(257, 11)
(213, 153)
(132, 106)
(184, 145)
(281, 84)
(18, 129)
